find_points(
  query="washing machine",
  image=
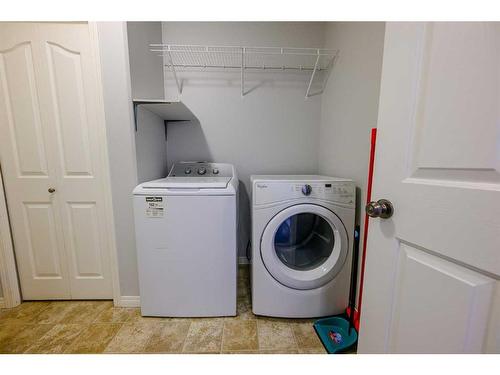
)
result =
(186, 236)
(302, 239)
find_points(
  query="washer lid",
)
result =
(304, 246)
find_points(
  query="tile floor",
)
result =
(98, 327)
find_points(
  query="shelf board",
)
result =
(167, 111)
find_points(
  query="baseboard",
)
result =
(243, 260)
(129, 301)
(2, 303)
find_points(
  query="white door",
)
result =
(431, 283)
(52, 154)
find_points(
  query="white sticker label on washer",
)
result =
(154, 207)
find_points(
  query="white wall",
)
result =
(121, 146)
(145, 67)
(350, 103)
(151, 146)
(127, 148)
(271, 130)
(147, 82)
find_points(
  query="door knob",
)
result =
(382, 208)
(51, 190)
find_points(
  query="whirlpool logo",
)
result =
(261, 186)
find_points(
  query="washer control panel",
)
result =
(343, 192)
(200, 169)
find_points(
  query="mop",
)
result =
(337, 333)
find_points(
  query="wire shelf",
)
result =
(187, 57)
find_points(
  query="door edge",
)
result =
(8, 269)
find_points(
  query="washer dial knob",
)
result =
(215, 171)
(306, 189)
(187, 171)
(202, 170)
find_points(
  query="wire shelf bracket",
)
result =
(231, 58)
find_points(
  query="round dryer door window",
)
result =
(304, 246)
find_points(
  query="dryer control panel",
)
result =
(343, 192)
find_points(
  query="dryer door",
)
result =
(304, 246)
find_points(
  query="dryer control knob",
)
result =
(306, 189)
(202, 170)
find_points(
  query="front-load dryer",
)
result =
(302, 239)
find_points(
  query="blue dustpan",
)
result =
(335, 334)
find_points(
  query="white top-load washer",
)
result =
(186, 233)
(302, 240)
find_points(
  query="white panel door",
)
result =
(432, 271)
(28, 168)
(51, 117)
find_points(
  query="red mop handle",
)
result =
(365, 233)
